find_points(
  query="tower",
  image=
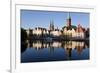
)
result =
(51, 25)
(69, 20)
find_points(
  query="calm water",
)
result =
(39, 51)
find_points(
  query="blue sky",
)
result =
(33, 18)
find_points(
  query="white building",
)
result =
(56, 32)
(39, 31)
(79, 32)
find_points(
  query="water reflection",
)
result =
(38, 51)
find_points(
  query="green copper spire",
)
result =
(69, 15)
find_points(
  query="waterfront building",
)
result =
(72, 31)
(56, 32)
(53, 31)
(69, 29)
(39, 31)
(27, 31)
(80, 32)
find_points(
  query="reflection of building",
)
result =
(73, 45)
(68, 52)
(66, 46)
(56, 44)
(79, 46)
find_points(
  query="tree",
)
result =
(23, 34)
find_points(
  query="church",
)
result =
(73, 31)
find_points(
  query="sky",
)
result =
(36, 18)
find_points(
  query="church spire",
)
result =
(69, 15)
(69, 20)
(51, 25)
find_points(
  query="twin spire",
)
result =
(68, 22)
(51, 25)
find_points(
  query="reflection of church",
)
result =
(72, 45)
(68, 46)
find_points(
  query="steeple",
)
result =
(69, 20)
(69, 15)
(51, 25)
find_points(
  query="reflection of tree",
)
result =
(30, 43)
(87, 43)
(23, 47)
